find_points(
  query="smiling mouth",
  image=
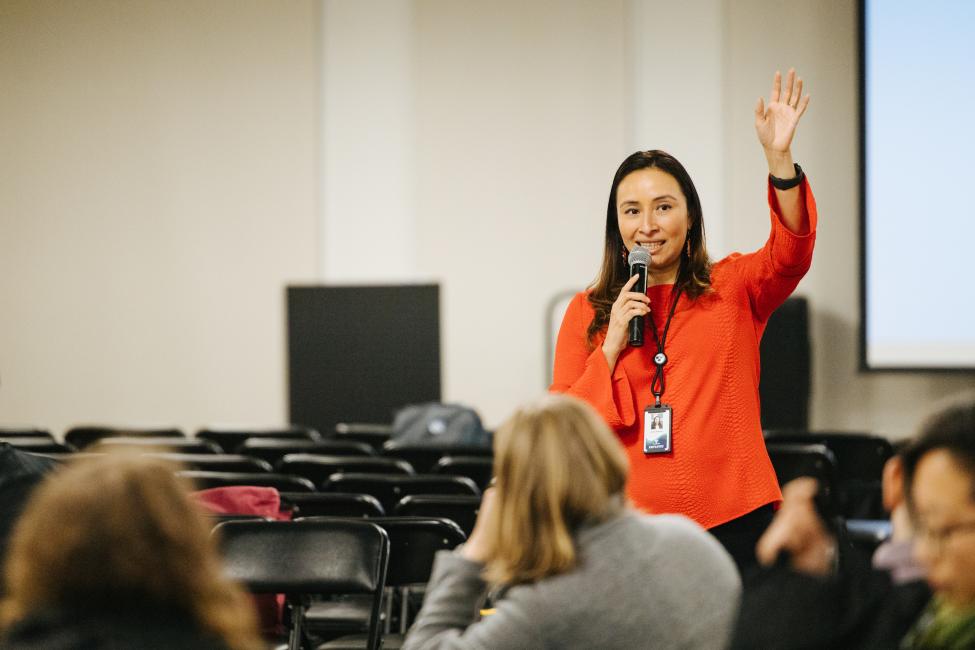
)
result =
(651, 247)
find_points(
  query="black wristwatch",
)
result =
(787, 183)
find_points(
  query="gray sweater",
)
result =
(641, 582)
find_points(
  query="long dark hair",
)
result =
(694, 272)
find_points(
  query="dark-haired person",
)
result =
(822, 597)
(700, 360)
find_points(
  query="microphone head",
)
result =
(639, 255)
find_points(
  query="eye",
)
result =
(631, 211)
(664, 207)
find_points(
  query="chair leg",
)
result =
(404, 611)
(297, 622)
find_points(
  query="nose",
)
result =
(648, 225)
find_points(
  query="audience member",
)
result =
(574, 565)
(818, 596)
(111, 552)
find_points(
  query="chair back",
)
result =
(792, 461)
(390, 488)
(461, 509)
(860, 459)
(331, 504)
(274, 449)
(24, 432)
(299, 559)
(167, 445)
(479, 469)
(38, 445)
(318, 468)
(231, 438)
(81, 437)
(372, 434)
(217, 462)
(424, 458)
(282, 482)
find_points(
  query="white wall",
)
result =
(167, 168)
(157, 190)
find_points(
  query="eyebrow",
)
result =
(659, 198)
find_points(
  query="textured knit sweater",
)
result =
(640, 582)
(719, 468)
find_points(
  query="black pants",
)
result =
(739, 536)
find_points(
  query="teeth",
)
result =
(651, 246)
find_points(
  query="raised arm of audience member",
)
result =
(576, 566)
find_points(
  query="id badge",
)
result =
(657, 429)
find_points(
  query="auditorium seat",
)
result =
(281, 482)
(38, 445)
(479, 469)
(318, 468)
(273, 449)
(424, 458)
(390, 488)
(462, 509)
(82, 436)
(373, 434)
(231, 438)
(794, 460)
(309, 558)
(24, 432)
(860, 459)
(216, 462)
(169, 445)
(331, 504)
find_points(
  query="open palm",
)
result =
(776, 123)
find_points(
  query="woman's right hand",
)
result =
(627, 305)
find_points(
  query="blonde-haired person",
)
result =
(574, 565)
(111, 552)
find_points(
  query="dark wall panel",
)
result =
(356, 354)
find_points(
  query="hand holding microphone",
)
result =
(639, 260)
(631, 304)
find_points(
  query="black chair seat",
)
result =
(231, 438)
(331, 504)
(169, 445)
(281, 482)
(38, 445)
(462, 509)
(274, 449)
(217, 462)
(81, 437)
(390, 488)
(318, 468)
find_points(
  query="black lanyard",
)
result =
(657, 385)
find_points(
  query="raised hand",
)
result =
(776, 123)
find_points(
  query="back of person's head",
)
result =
(557, 465)
(950, 428)
(119, 534)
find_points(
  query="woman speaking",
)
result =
(697, 372)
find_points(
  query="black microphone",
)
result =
(639, 261)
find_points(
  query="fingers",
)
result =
(760, 109)
(629, 284)
(790, 81)
(802, 106)
(797, 94)
(776, 88)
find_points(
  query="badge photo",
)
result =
(656, 430)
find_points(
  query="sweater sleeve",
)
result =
(772, 273)
(449, 616)
(584, 373)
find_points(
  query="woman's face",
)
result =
(652, 212)
(945, 512)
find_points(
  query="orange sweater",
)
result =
(719, 468)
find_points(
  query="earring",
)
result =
(688, 243)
